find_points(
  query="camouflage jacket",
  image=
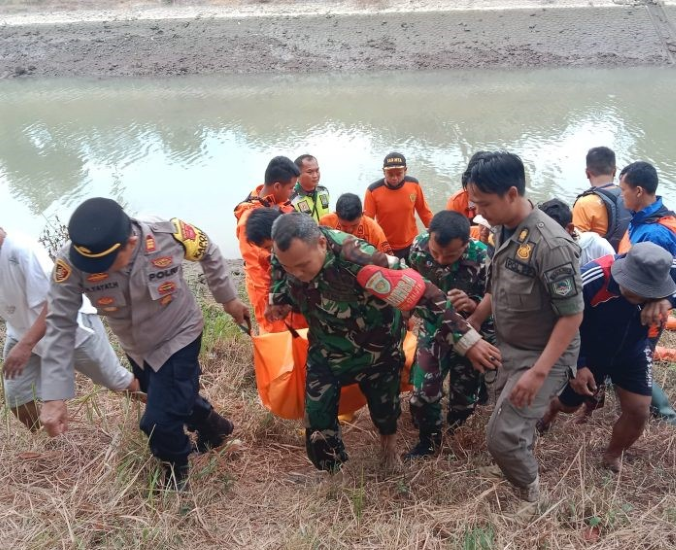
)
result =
(343, 317)
(467, 274)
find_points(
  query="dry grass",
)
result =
(93, 487)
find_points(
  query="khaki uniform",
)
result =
(149, 306)
(534, 279)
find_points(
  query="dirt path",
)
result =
(112, 38)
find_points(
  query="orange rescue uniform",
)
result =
(257, 263)
(394, 210)
(368, 230)
(590, 214)
(459, 202)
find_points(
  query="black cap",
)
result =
(98, 230)
(394, 160)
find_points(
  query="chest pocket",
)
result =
(164, 281)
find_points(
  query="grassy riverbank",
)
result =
(93, 487)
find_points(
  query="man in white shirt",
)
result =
(25, 272)
(592, 245)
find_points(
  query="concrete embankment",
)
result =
(111, 39)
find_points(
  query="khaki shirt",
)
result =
(148, 305)
(534, 279)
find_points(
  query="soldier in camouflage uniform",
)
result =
(354, 336)
(447, 257)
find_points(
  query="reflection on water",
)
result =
(193, 147)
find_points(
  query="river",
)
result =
(193, 147)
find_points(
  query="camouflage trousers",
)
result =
(379, 382)
(434, 362)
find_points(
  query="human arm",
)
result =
(21, 352)
(530, 383)
(482, 312)
(369, 204)
(423, 209)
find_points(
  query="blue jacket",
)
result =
(644, 226)
(611, 331)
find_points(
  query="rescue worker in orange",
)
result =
(601, 209)
(280, 177)
(393, 201)
(459, 201)
(349, 218)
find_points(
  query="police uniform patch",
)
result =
(162, 262)
(304, 207)
(166, 288)
(151, 246)
(97, 277)
(523, 235)
(194, 241)
(324, 199)
(61, 271)
(561, 281)
(110, 309)
(166, 300)
(524, 251)
(413, 197)
(105, 301)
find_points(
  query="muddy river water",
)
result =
(194, 146)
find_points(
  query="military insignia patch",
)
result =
(162, 262)
(150, 244)
(413, 197)
(524, 252)
(378, 283)
(166, 288)
(61, 271)
(97, 277)
(166, 300)
(194, 241)
(563, 288)
(105, 301)
(523, 235)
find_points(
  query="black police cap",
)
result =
(98, 230)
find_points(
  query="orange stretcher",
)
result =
(279, 362)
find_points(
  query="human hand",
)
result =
(526, 388)
(16, 360)
(461, 302)
(484, 356)
(584, 383)
(53, 417)
(277, 312)
(238, 311)
(655, 313)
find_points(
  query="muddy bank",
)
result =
(634, 33)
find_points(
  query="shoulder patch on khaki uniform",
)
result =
(62, 271)
(194, 241)
(561, 281)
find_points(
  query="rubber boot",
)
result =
(456, 419)
(660, 406)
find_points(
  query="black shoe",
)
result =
(212, 432)
(427, 446)
(456, 419)
(176, 477)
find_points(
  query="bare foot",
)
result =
(388, 450)
(613, 463)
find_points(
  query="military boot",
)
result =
(428, 445)
(456, 419)
(176, 477)
(212, 432)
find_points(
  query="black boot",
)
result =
(456, 419)
(176, 477)
(212, 432)
(428, 444)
